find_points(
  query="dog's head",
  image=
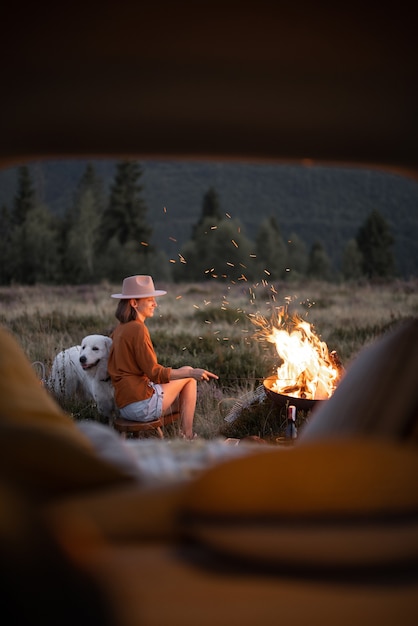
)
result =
(93, 350)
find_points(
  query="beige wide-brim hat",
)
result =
(138, 287)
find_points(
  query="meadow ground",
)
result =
(209, 325)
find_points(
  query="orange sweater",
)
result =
(133, 364)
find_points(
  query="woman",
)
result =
(145, 390)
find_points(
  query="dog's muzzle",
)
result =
(87, 366)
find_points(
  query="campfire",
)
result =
(308, 371)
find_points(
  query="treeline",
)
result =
(106, 236)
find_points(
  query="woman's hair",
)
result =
(125, 312)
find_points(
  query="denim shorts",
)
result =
(145, 410)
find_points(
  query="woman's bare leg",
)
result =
(181, 394)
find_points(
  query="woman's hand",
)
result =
(200, 374)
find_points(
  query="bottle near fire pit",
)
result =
(291, 430)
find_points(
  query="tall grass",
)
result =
(208, 325)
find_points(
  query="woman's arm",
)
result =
(191, 372)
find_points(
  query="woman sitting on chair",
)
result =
(144, 389)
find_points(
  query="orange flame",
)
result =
(307, 369)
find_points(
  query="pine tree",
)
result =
(37, 242)
(375, 242)
(21, 263)
(25, 197)
(5, 245)
(92, 182)
(80, 236)
(210, 210)
(297, 257)
(124, 243)
(352, 261)
(271, 249)
(125, 216)
(79, 254)
(319, 265)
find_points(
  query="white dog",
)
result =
(83, 370)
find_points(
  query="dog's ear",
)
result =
(108, 342)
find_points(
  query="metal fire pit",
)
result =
(301, 404)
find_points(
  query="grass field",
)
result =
(209, 325)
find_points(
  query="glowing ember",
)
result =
(308, 370)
